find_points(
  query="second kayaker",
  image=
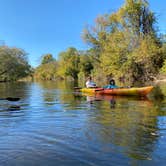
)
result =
(111, 85)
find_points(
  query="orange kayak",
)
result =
(135, 91)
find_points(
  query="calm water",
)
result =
(55, 126)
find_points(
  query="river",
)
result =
(55, 126)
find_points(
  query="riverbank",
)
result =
(159, 79)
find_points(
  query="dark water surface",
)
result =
(55, 126)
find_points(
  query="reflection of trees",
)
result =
(47, 85)
(17, 89)
(72, 101)
(158, 95)
(61, 91)
(10, 110)
(51, 90)
(51, 85)
(132, 125)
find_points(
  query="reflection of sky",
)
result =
(35, 98)
(54, 126)
(160, 146)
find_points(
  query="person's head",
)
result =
(112, 82)
(89, 78)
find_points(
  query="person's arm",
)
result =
(93, 84)
(105, 87)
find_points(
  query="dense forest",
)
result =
(125, 45)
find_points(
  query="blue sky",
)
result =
(51, 26)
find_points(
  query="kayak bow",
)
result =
(91, 90)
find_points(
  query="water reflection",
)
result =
(56, 125)
(90, 98)
(130, 123)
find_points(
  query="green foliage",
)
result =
(126, 43)
(13, 64)
(47, 58)
(48, 68)
(138, 18)
(69, 63)
(47, 71)
(163, 69)
(86, 64)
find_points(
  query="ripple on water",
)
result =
(53, 127)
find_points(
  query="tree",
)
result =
(13, 64)
(86, 63)
(69, 63)
(47, 58)
(47, 71)
(126, 42)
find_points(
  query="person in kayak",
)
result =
(90, 83)
(111, 85)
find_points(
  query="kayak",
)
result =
(135, 91)
(91, 90)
